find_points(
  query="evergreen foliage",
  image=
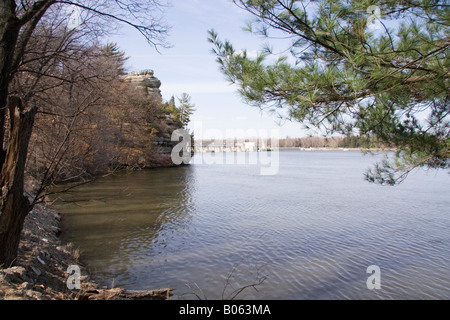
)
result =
(371, 68)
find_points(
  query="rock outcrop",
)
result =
(163, 126)
(146, 80)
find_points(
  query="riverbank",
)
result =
(40, 270)
(39, 273)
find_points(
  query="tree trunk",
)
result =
(14, 205)
(9, 32)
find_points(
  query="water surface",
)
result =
(311, 230)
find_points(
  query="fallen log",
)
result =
(122, 294)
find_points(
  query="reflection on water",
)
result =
(116, 221)
(312, 229)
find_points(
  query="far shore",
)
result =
(218, 150)
(336, 149)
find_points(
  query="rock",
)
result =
(57, 231)
(14, 274)
(36, 271)
(152, 82)
(25, 286)
(146, 80)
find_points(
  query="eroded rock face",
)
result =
(146, 80)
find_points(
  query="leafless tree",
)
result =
(40, 54)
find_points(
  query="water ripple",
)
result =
(313, 230)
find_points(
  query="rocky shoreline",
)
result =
(40, 271)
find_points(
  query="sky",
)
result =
(189, 66)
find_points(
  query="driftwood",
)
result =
(122, 294)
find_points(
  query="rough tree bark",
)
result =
(14, 205)
(9, 32)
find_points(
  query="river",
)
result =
(309, 230)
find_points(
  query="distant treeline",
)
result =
(332, 142)
(306, 142)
